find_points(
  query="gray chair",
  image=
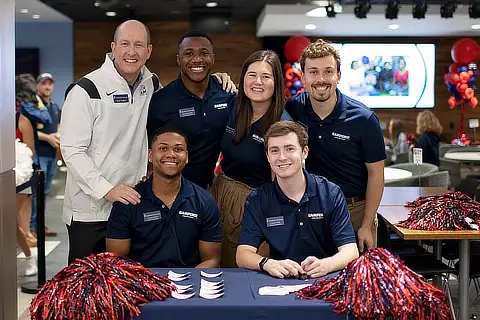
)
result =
(453, 167)
(402, 157)
(437, 179)
(416, 170)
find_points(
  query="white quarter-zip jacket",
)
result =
(103, 140)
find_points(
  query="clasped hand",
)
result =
(311, 266)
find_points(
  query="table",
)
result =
(463, 156)
(394, 214)
(396, 174)
(398, 196)
(240, 302)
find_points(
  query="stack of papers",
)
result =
(280, 290)
(211, 290)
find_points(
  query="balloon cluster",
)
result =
(462, 140)
(462, 76)
(293, 49)
(293, 79)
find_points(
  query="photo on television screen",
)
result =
(388, 75)
(379, 76)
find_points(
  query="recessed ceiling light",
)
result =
(96, 4)
(24, 11)
(475, 26)
(310, 26)
(36, 16)
(318, 13)
(394, 26)
(211, 4)
(321, 3)
(111, 13)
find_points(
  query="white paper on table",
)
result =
(181, 296)
(210, 296)
(280, 290)
(211, 290)
(210, 284)
(183, 287)
(179, 275)
(210, 275)
(184, 290)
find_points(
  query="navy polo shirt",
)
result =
(246, 161)
(316, 226)
(203, 121)
(163, 237)
(43, 148)
(342, 143)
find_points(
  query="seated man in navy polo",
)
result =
(196, 104)
(176, 224)
(303, 217)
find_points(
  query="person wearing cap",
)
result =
(47, 143)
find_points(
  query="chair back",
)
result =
(469, 186)
(436, 179)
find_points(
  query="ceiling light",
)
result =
(36, 16)
(362, 7)
(321, 3)
(96, 4)
(110, 13)
(211, 4)
(318, 13)
(419, 9)
(310, 26)
(391, 12)
(475, 26)
(394, 26)
(448, 8)
(474, 10)
(24, 11)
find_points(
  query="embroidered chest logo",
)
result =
(257, 138)
(189, 215)
(340, 136)
(143, 90)
(315, 216)
(220, 106)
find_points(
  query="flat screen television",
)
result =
(388, 75)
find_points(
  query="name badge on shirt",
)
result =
(220, 106)
(275, 221)
(152, 216)
(186, 112)
(120, 98)
(315, 216)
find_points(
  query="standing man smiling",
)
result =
(345, 138)
(196, 104)
(103, 138)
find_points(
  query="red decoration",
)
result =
(378, 285)
(465, 51)
(103, 286)
(294, 47)
(453, 68)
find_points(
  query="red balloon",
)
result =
(294, 47)
(289, 84)
(454, 78)
(464, 77)
(287, 65)
(453, 68)
(461, 87)
(290, 74)
(470, 73)
(465, 51)
(469, 93)
(451, 102)
(474, 102)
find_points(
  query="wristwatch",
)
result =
(262, 263)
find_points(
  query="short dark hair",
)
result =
(284, 127)
(195, 34)
(166, 129)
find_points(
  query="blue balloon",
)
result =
(475, 73)
(293, 91)
(462, 69)
(472, 80)
(297, 84)
(365, 60)
(452, 88)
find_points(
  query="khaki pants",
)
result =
(231, 196)
(357, 211)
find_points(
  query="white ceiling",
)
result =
(47, 14)
(286, 20)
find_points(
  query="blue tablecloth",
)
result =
(240, 302)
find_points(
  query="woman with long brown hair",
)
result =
(260, 103)
(429, 129)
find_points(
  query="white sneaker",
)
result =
(31, 269)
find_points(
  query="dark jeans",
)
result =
(86, 238)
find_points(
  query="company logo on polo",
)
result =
(315, 216)
(257, 138)
(340, 136)
(220, 106)
(189, 215)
